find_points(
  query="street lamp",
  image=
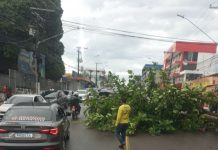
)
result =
(182, 16)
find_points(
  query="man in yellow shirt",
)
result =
(122, 122)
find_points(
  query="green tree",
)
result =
(16, 17)
(155, 109)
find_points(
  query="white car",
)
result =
(17, 99)
(83, 94)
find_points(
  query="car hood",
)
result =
(5, 107)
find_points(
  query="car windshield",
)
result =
(30, 114)
(19, 99)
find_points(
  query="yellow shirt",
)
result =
(123, 114)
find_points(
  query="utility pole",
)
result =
(90, 74)
(78, 51)
(96, 74)
(96, 77)
(34, 32)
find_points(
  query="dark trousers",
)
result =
(120, 132)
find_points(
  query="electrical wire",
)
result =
(54, 36)
(128, 35)
(129, 32)
(122, 35)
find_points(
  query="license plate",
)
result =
(23, 135)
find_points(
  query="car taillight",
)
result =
(3, 131)
(53, 131)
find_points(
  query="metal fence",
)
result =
(21, 83)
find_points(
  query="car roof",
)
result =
(81, 90)
(26, 95)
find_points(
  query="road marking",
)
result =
(127, 143)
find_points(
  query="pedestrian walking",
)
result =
(7, 92)
(122, 122)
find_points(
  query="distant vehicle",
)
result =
(105, 92)
(83, 94)
(16, 99)
(57, 97)
(69, 93)
(92, 92)
(46, 92)
(41, 127)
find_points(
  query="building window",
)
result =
(189, 67)
(190, 56)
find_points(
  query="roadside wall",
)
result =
(21, 83)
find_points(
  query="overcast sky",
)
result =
(155, 17)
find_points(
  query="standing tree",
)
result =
(16, 17)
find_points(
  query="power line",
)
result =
(123, 31)
(54, 36)
(122, 35)
(127, 35)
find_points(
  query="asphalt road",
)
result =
(82, 138)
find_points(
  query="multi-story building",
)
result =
(209, 70)
(181, 60)
(208, 67)
(146, 69)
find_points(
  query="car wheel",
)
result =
(65, 106)
(68, 135)
(63, 145)
(73, 115)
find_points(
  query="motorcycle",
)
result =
(74, 112)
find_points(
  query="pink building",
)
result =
(181, 60)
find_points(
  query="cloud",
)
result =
(150, 17)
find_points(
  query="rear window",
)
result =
(19, 99)
(29, 114)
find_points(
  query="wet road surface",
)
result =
(82, 138)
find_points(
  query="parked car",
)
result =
(15, 99)
(83, 94)
(57, 97)
(38, 127)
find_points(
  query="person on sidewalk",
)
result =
(122, 122)
(7, 92)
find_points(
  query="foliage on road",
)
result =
(16, 18)
(156, 107)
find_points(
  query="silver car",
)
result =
(17, 99)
